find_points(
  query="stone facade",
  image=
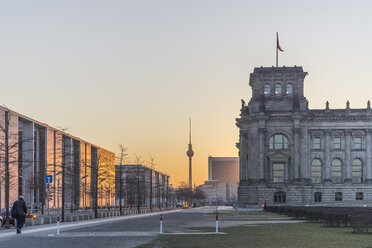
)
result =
(290, 154)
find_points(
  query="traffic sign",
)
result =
(48, 178)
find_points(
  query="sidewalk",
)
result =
(71, 225)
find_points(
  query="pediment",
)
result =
(338, 133)
(279, 155)
(316, 133)
(359, 133)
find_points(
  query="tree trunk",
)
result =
(138, 190)
(120, 187)
(7, 169)
(63, 178)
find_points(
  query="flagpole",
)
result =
(276, 49)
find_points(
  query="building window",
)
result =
(357, 143)
(279, 197)
(356, 171)
(338, 196)
(336, 171)
(359, 196)
(316, 143)
(278, 172)
(289, 89)
(336, 143)
(317, 196)
(278, 89)
(278, 142)
(316, 171)
(267, 89)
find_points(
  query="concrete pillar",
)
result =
(28, 160)
(347, 167)
(327, 159)
(369, 157)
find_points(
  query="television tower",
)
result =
(190, 153)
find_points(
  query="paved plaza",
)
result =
(127, 231)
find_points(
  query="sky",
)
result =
(134, 72)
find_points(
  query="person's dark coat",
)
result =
(19, 208)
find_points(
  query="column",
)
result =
(347, 167)
(262, 132)
(369, 156)
(304, 153)
(327, 160)
(243, 156)
(296, 153)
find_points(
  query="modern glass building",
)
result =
(37, 150)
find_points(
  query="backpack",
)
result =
(14, 212)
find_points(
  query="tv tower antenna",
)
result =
(190, 153)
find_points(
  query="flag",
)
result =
(277, 43)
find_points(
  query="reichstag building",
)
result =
(290, 154)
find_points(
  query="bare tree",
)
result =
(152, 167)
(121, 159)
(8, 148)
(138, 162)
(184, 192)
(103, 171)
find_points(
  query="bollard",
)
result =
(58, 225)
(216, 223)
(161, 223)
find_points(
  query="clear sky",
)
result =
(133, 72)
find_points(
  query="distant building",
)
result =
(37, 150)
(223, 178)
(223, 169)
(140, 185)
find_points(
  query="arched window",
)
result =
(267, 89)
(289, 89)
(278, 142)
(336, 171)
(316, 171)
(278, 89)
(356, 171)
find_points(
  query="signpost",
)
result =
(48, 180)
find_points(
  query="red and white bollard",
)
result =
(161, 223)
(58, 225)
(216, 223)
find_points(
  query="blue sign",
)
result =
(48, 178)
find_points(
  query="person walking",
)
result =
(19, 212)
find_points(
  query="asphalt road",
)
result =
(124, 231)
